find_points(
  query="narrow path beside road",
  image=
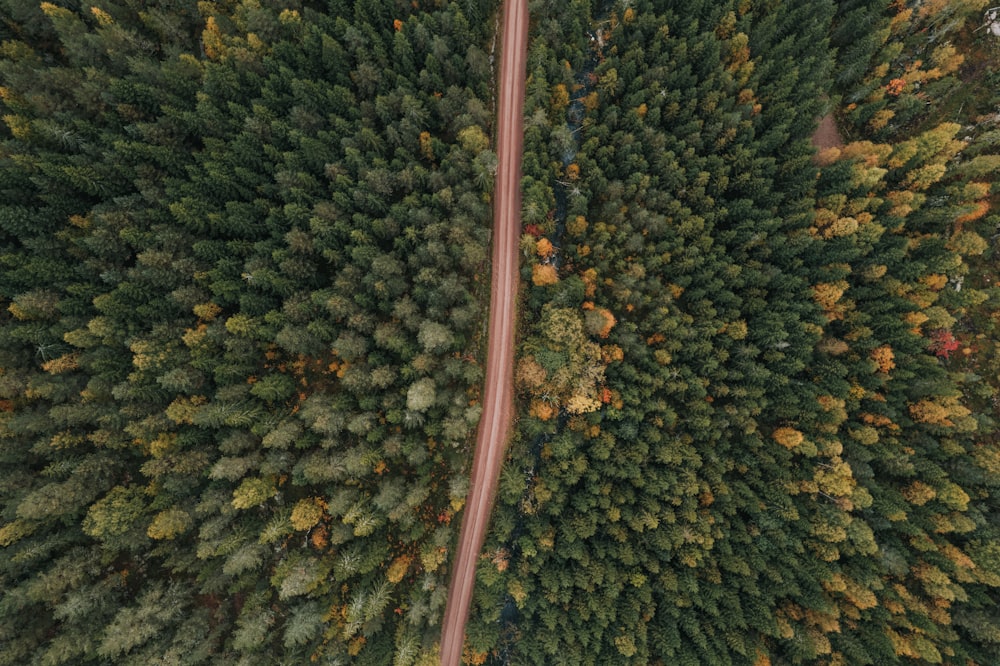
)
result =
(494, 425)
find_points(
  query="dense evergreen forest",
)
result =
(241, 249)
(243, 258)
(757, 382)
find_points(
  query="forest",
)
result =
(757, 380)
(240, 256)
(244, 261)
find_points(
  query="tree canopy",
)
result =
(240, 257)
(243, 259)
(786, 466)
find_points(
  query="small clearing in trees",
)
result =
(827, 135)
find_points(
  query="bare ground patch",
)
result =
(827, 135)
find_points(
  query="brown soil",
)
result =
(827, 135)
(494, 426)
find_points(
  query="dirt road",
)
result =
(495, 422)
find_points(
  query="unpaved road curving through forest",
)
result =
(498, 395)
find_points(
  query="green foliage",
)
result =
(241, 260)
(115, 513)
(232, 238)
(784, 465)
(421, 395)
